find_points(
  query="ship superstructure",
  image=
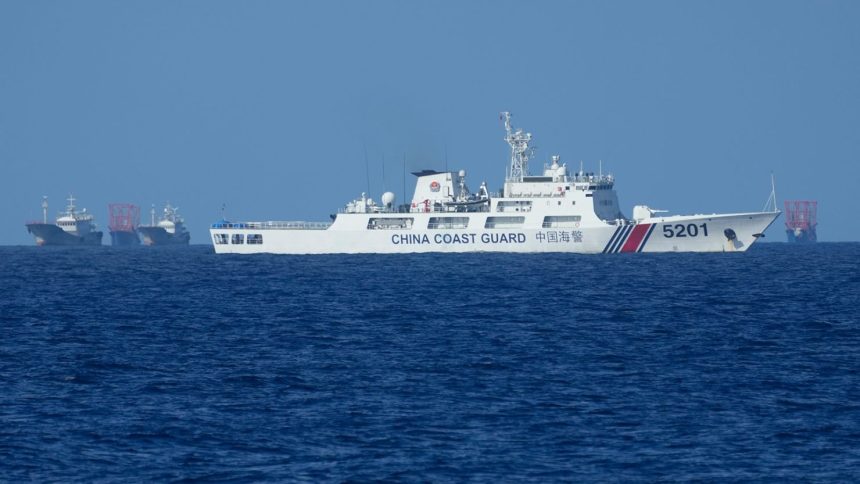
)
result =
(71, 227)
(168, 230)
(555, 211)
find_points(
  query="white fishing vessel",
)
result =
(556, 211)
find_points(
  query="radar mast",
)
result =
(71, 207)
(520, 150)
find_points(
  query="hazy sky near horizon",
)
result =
(267, 106)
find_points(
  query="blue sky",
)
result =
(267, 107)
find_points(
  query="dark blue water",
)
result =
(177, 364)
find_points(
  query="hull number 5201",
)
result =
(681, 230)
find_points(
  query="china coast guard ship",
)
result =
(556, 211)
(71, 227)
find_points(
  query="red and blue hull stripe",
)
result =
(629, 238)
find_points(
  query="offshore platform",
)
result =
(801, 220)
(124, 221)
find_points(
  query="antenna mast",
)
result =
(520, 150)
(771, 200)
(773, 191)
(44, 209)
(367, 169)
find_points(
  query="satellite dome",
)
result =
(388, 199)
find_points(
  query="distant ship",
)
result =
(801, 221)
(124, 220)
(169, 230)
(71, 227)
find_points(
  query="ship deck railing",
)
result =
(418, 209)
(272, 225)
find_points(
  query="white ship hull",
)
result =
(349, 235)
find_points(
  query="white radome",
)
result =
(388, 199)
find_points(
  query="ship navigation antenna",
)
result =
(773, 190)
(404, 177)
(771, 200)
(71, 207)
(600, 171)
(520, 150)
(45, 209)
(152, 215)
(367, 168)
(383, 173)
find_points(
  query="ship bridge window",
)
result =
(537, 179)
(238, 239)
(504, 222)
(514, 206)
(448, 223)
(255, 239)
(220, 239)
(561, 221)
(390, 223)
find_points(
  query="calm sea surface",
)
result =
(177, 364)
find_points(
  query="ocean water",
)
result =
(177, 364)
